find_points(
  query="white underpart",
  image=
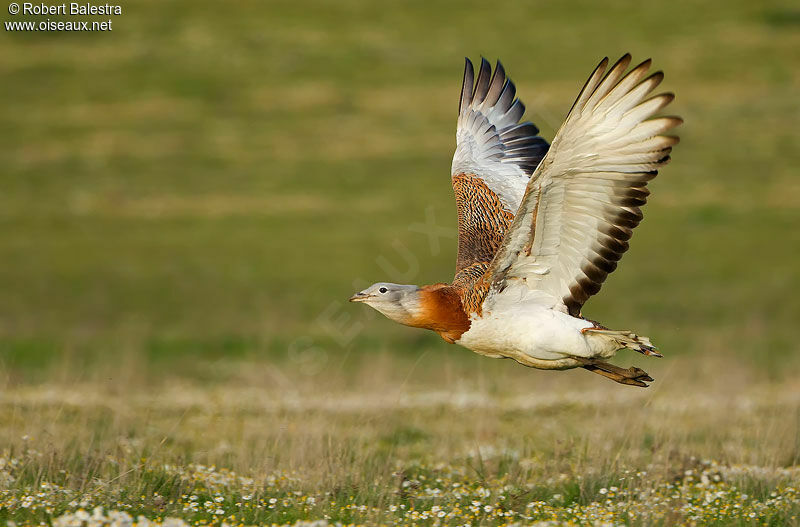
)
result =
(523, 321)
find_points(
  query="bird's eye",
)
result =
(382, 290)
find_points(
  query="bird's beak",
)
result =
(360, 297)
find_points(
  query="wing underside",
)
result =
(584, 199)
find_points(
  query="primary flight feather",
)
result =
(540, 226)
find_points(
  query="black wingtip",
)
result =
(466, 85)
(623, 63)
(482, 80)
(468, 67)
(499, 70)
(645, 64)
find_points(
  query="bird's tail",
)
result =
(627, 339)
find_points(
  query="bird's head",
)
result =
(400, 303)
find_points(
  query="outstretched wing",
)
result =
(495, 156)
(584, 199)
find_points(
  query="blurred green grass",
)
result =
(210, 183)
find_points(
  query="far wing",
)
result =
(494, 158)
(584, 199)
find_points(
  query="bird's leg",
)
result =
(632, 376)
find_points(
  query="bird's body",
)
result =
(532, 332)
(541, 226)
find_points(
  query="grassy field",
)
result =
(186, 203)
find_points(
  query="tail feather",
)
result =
(628, 339)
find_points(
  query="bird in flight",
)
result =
(540, 226)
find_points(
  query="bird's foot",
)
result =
(631, 376)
